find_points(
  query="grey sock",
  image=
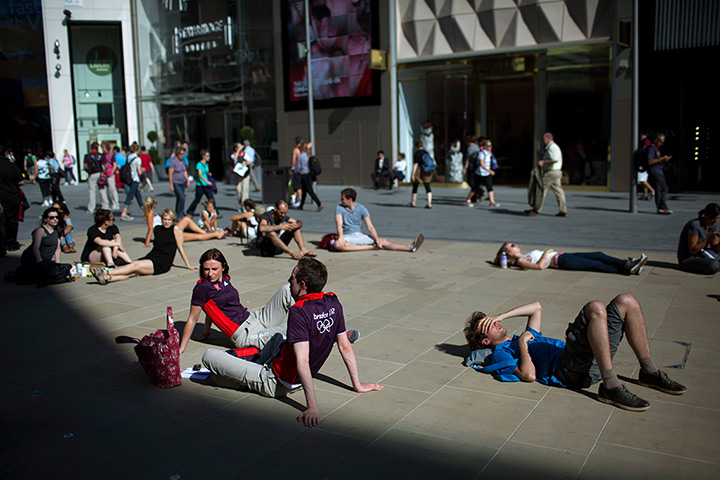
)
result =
(610, 379)
(647, 365)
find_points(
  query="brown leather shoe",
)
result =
(561, 214)
(531, 213)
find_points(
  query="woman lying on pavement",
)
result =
(589, 261)
(168, 240)
(195, 232)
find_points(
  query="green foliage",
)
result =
(248, 133)
(152, 136)
(154, 154)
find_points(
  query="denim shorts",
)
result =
(577, 367)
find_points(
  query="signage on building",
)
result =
(203, 37)
(101, 60)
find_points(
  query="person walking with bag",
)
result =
(93, 166)
(134, 189)
(241, 167)
(423, 169)
(306, 176)
(202, 183)
(69, 162)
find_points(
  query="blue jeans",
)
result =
(179, 189)
(67, 240)
(591, 262)
(200, 190)
(134, 191)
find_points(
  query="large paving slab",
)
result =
(77, 405)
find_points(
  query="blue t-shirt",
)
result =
(203, 168)
(220, 296)
(120, 159)
(545, 354)
(352, 221)
(654, 153)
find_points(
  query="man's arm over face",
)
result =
(311, 416)
(532, 310)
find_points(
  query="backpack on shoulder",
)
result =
(314, 165)
(126, 174)
(428, 164)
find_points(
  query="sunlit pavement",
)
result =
(76, 405)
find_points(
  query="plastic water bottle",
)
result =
(503, 260)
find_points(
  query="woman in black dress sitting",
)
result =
(168, 240)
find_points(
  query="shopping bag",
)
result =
(159, 354)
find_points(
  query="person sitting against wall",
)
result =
(699, 245)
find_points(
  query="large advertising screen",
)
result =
(342, 33)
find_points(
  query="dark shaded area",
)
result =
(461, 351)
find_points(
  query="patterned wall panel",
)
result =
(429, 28)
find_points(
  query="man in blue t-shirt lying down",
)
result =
(592, 340)
(315, 323)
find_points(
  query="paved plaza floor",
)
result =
(77, 405)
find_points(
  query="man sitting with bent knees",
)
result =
(349, 218)
(592, 340)
(277, 229)
(315, 324)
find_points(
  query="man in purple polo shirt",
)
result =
(315, 324)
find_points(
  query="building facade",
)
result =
(164, 71)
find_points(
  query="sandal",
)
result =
(99, 273)
(411, 205)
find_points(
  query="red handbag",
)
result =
(159, 354)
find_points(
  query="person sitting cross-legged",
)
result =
(587, 357)
(277, 229)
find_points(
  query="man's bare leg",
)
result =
(611, 391)
(636, 331)
(635, 328)
(297, 236)
(277, 241)
(351, 247)
(599, 340)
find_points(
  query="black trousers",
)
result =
(8, 224)
(306, 181)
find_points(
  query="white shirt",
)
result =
(553, 152)
(535, 255)
(135, 164)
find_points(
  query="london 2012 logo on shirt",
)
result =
(324, 320)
